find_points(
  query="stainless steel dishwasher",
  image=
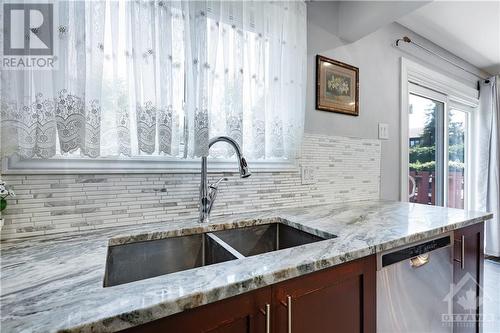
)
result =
(412, 284)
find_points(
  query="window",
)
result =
(153, 80)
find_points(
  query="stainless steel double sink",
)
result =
(142, 260)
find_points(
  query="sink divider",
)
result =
(225, 246)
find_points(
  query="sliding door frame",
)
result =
(469, 112)
(441, 117)
(456, 93)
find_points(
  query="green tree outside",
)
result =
(423, 155)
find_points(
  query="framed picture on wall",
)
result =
(337, 86)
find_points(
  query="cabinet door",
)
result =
(338, 299)
(245, 313)
(468, 277)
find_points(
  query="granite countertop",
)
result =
(55, 283)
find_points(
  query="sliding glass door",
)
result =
(425, 149)
(458, 127)
(437, 146)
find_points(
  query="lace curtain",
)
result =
(159, 78)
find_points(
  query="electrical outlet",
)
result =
(308, 175)
(383, 131)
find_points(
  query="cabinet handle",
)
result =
(289, 306)
(462, 252)
(268, 318)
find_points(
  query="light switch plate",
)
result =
(383, 131)
(308, 175)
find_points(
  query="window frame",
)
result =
(14, 165)
(457, 96)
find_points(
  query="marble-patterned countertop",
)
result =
(55, 283)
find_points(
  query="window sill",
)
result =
(19, 166)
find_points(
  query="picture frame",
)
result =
(337, 86)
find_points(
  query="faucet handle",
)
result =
(215, 185)
(212, 194)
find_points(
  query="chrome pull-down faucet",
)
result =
(208, 193)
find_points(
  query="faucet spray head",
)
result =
(244, 171)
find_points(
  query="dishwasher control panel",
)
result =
(415, 250)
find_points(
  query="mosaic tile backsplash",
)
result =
(345, 169)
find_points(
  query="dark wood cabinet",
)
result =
(337, 299)
(341, 299)
(240, 314)
(468, 276)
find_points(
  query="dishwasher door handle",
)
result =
(420, 260)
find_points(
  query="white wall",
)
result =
(379, 67)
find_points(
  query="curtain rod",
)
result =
(407, 39)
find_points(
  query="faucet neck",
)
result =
(242, 163)
(204, 204)
(207, 196)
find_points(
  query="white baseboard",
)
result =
(492, 254)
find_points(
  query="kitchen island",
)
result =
(55, 283)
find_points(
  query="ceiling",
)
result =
(352, 20)
(468, 29)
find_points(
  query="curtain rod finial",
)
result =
(405, 39)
